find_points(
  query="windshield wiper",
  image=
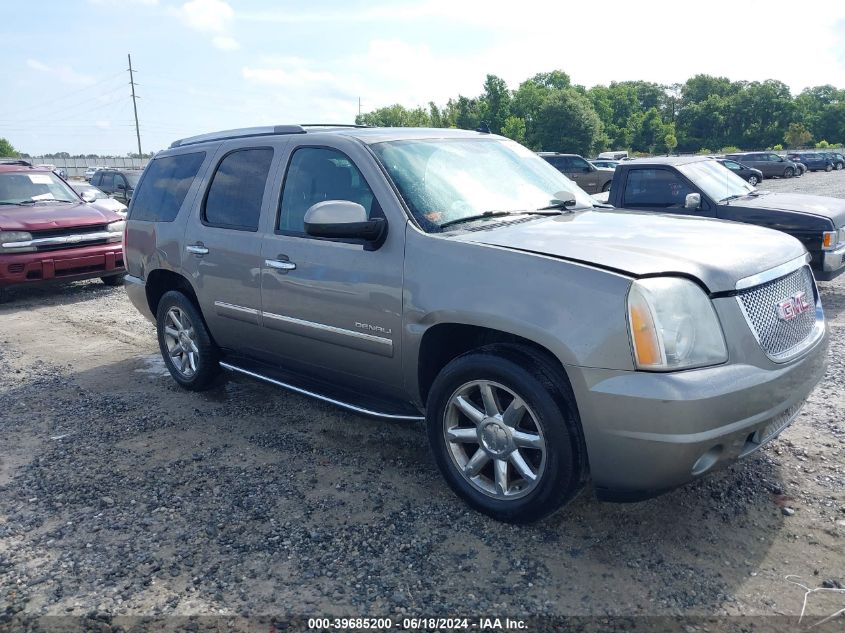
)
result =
(43, 200)
(733, 197)
(479, 216)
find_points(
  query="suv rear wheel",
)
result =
(186, 346)
(505, 433)
(788, 172)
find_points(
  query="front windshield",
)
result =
(25, 187)
(443, 180)
(715, 180)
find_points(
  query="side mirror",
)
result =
(692, 201)
(88, 196)
(342, 219)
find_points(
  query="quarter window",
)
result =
(316, 174)
(237, 189)
(163, 189)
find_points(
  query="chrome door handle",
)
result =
(279, 264)
(197, 249)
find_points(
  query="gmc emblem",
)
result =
(791, 307)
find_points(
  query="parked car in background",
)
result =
(614, 155)
(97, 198)
(403, 272)
(590, 178)
(605, 163)
(90, 171)
(118, 183)
(813, 160)
(47, 232)
(771, 164)
(753, 176)
(836, 158)
(698, 186)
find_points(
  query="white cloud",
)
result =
(63, 73)
(293, 76)
(212, 17)
(207, 16)
(225, 43)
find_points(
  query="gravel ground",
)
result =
(122, 495)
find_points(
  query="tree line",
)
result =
(704, 114)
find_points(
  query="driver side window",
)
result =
(316, 174)
(655, 189)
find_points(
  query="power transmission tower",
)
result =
(134, 104)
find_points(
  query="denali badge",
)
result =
(791, 307)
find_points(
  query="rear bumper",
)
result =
(101, 260)
(647, 433)
(136, 290)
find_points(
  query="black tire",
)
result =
(606, 186)
(546, 392)
(207, 365)
(752, 180)
(839, 166)
(788, 172)
(113, 280)
(828, 167)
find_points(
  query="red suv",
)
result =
(47, 232)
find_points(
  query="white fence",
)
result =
(77, 166)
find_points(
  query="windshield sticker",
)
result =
(43, 196)
(40, 179)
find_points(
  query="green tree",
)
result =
(650, 132)
(495, 103)
(395, 116)
(7, 149)
(567, 122)
(797, 135)
(514, 128)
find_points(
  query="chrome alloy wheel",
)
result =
(494, 439)
(180, 339)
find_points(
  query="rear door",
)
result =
(222, 242)
(333, 307)
(584, 174)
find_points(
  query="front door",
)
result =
(663, 190)
(331, 307)
(223, 247)
(584, 174)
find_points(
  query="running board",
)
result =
(319, 396)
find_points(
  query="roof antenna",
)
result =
(483, 127)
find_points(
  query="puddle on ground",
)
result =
(153, 365)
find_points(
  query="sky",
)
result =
(206, 65)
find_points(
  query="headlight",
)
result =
(9, 239)
(673, 325)
(117, 229)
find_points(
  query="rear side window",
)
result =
(163, 189)
(237, 189)
(107, 181)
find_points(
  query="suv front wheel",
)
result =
(505, 433)
(186, 346)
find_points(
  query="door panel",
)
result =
(333, 306)
(223, 245)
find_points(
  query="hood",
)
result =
(110, 204)
(824, 206)
(715, 252)
(42, 217)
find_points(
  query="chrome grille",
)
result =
(780, 338)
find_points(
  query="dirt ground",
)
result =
(121, 494)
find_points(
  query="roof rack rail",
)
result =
(333, 125)
(269, 130)
(15, 161)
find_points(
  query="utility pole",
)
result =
(359, 106)
(134, 104)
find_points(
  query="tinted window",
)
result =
(655, 188)
(579, 164)
(316, 174)
(237, 189)
(107, 181)
(732, 165)
(164, 187)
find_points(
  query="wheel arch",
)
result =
(160, 281)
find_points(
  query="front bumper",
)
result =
(68, 264)
(647, 433)
(832, 264)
